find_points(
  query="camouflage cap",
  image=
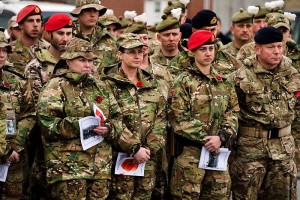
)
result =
(277, 19)
(174, 5)
(137, 28)
(129, 41)
(84, 4)
(78, 48)
(4, 42)
(12, 22)
(262, 12)
(242, 16)
(167, 23)
(106, 20)
(124, 22)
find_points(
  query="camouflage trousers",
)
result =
(190, 182)
(12, 188)
(80, 189)
(296, 135)
(134, 187)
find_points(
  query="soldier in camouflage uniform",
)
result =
(87, 13)
(144, 117)
(259, 19)
(37, 73)
(26, 45)
(268, 88)
(291, 50)
(205, 109)
(241, 29)
(125, 21)
(12, 187)
(73, 173)
(224, 63)
(110, 22)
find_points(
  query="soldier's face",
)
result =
(131, 58)
(204, 55)
(88, 17)
(3, 56)
(169, 39)
(120, 32)
(258, 24)
(14, 33)
(60, 38)
(81, 65)
(112, 29)
(145, 40)
(269, 55)
(242, 31)
(31, 27)
(212, 29)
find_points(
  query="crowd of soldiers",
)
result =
(167, 92)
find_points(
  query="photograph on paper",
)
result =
(87, 135)
(213, 161)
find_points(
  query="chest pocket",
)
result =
(288, 94)
(76, 105)
(254, 96)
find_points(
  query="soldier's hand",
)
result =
(101, 130)
(213, 143)
(14, 157)
(143, 155)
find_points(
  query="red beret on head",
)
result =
(58, 21)
(200, 38)
(27, 11)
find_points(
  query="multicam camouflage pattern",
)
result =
(80, 189)
(201, 105)
(230, 49)
(108, 19)
(80, 3)
(129, 41)
(104, 46)
(266, 100)
(12, 188)
(292, 51)
(277, 19)
(144, 123)
(22, 55)
(64, 101)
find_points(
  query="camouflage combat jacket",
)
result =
(143, 110)
(22, 55)
(9, 105)
(203, 105)
(266, 98)
(63, 102)
(105, 47)
(230, 49)
(36, 73)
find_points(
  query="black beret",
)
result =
(268, 35)
(186, 30)
(204, 18)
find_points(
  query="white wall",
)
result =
(153, 14)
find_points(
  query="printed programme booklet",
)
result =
(127, 166)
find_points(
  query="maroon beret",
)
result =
(200, 38)
(58, 21)
(27, 11)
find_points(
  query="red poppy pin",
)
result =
(219, 78)
(297, 94)
(172, 92)
(99, 99)
(139, 84)
(6, 84)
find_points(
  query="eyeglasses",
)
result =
(134, 52)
